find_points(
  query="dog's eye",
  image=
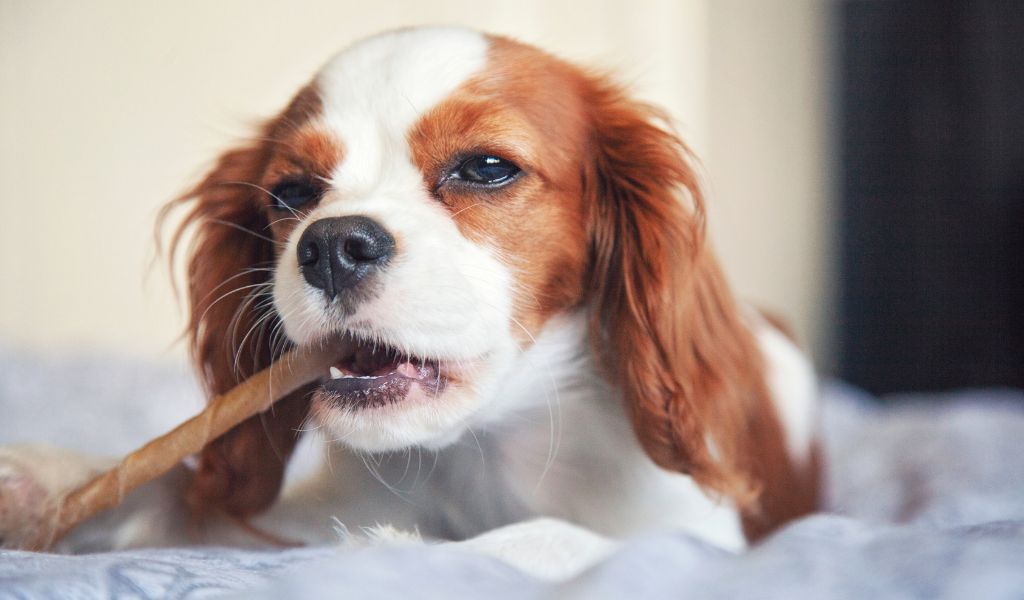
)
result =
(486, 170)
(293, 194)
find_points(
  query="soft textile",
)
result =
(925, 498)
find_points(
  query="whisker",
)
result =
(241, 273)
(280, 202)
(234, 349)
(244, 229)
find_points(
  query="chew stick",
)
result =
(156, 457)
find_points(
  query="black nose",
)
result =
(336, 254)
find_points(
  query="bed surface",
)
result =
(924, 498)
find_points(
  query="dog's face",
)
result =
(433, 199)
(427, 207)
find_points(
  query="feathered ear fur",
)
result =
(231, 319)
(663, 320)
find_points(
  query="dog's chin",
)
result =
(377, 398)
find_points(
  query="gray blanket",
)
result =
(925, 499)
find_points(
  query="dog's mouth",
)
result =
(376, 375)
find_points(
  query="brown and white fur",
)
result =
(589, 366)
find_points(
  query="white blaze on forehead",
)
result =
(441, 295)
(375, 91)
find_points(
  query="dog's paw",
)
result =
(377, 535)
(23, 502)
(549, 549)
(32, 480)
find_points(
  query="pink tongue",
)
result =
(408, 370)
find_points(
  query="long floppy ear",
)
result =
(230, 325)
(663, 320)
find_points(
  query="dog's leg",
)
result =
(345, 504)
(342, 501)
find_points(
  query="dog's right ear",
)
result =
(231, 255)
(663, 319)
(667, 328)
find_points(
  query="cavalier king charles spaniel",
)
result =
(541, 352)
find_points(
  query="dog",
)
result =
(541, 354)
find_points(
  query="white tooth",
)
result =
(335, 373)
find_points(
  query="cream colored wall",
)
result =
(769, 158)
(109, 109)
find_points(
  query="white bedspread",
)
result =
(925, 499)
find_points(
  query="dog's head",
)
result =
(434, 197)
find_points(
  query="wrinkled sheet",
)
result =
(925, 499)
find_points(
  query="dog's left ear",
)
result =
(230, 260)
(663, 320)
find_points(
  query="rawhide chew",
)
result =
(161, 454)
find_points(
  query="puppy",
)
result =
(513, 253)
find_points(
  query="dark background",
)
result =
(931, 149)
